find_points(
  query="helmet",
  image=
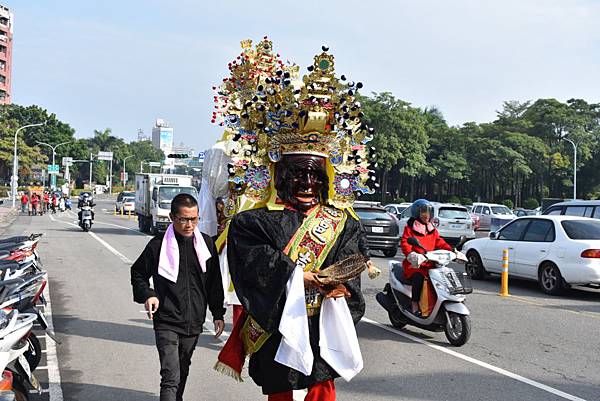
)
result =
(419, 206)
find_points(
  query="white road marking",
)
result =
(43, 391)
(110, 248)
(123, 258)
(476, 362)
(55, 388)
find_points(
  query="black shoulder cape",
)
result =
(260, 270)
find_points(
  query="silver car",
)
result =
(492, 216)
(452, 221)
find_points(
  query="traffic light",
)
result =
(178, 156)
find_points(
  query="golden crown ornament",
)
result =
(268, 112)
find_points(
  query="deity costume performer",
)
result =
(294, 245)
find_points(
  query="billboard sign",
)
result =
(105, 156)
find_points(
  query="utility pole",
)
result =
(91, 161)
(124, 169)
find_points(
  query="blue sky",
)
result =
(121, 64)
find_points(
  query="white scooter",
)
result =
(87, 218)
(15, 327)
(449, 313)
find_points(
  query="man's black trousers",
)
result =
(175, 353)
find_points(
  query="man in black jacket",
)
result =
(184, 267)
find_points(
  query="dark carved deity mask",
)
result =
(301, 181)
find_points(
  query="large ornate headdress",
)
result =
(268, 112)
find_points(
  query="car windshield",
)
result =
(128, 194)
(453, 213)
(128, 199)
(166, 195)
(373, 214)
(582, 229)
(502, 210)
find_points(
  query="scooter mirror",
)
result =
(461, 242)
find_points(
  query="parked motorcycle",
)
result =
(449, 313)
(17, 375)
(22, 282)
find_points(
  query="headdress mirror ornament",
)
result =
(268, 112)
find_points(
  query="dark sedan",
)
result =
(380, 228)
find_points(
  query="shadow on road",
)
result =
(96, 392)
(69, 325)
(452, 385)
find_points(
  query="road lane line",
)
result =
(110, 248)
(485, 365)
(54, 383)
(123, 258)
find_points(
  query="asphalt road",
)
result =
(526, 347)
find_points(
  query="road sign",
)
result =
(201, 156)
(124, 176)
(105, 156)
(154, 164)
(67, 161)
(53, 168)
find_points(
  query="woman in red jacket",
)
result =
(415, 267)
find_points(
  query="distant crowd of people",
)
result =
(37, 204)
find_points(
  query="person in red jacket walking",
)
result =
(415, 266)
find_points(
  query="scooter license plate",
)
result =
(377, 229)
(25, 365)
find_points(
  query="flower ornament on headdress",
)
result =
(268, 112)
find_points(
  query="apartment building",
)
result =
(6, 36)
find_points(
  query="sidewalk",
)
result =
(7, 215)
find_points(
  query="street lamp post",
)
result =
(124, 169)
(15, 177)
(91, 161)
(53, 155)
(574, 166)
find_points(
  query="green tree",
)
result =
(400, 140)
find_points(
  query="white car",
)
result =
(397, 208)
(492, 215)
(556, 251)
(452, 221)
(128, 205)
(120, 206)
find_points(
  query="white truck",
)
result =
(153, 196)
